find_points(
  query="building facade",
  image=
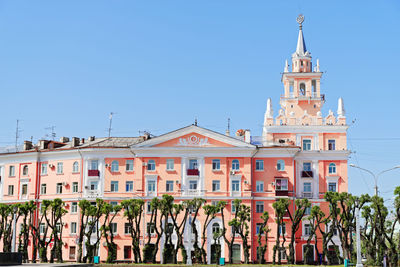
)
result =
(301, 154)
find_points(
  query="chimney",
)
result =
(247, 136)
(83, 140)
(75, 142)
(64, 139)
(92, 138)
(42, 144)
(28, 145)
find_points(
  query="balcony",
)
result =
(93, 193)
(193, 172)
(192, 192)
(307, 174)
(93, 173)
(306, 194)
(281, 193)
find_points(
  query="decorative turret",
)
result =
(341, 112)
(301, 59)
(286, 69)
(269, 113)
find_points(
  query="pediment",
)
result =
(193, 136)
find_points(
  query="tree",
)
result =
(210, 211)
(280, 208)
(235, 206)
(167, 203)
(53, 219)
(179, 227)
(150, 250)
(195, 205)
(133, 209)
(110, 212)
(263, 231)
(295, 218)
(25, 210)
(7, 214)
(240, 224)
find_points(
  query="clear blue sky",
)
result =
(160, 64)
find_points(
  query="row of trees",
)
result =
(169, 217)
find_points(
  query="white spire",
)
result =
(286, 66)
(269, 113)
(340, 110)
(317, 69)
(301, 49)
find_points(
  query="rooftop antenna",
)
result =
(109, 128)
(53, 132)
(195, 121)
(228, 130)
(16, 136)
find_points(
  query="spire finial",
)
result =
(300, 20)
(195, 121)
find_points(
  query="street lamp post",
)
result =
(359, 262)
(376, 176)
(189, 240)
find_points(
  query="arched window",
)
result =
(280, 165)
(235, 165)
(151, 165)
(215, 228)
(332, 168)
(75, 167)
(114, 166)
(25, 170)
(302, 89)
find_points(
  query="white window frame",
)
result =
(43, 169)
(114, 228)
(42, 228)
(236, 192)
(60, 168)
(169, 186)
(75, 167)
(333, 142)
(235, 165)
(115, 166)
(218, 184)
(94, 164)
(332, 168)
(114, 186)
(151, 179)
(151, 165)
(95, 185)
(129, 165)
(75, 187)
(130, 189)
(259, 165)
(259, 186)
(24, 196)
(10, 188)
(43, 189)
(170, 165)
(73, 230)
(216, 164)
(306, 146)
(25, 170)
(59, 188)
(74, 207)
(260, 203)
(127, 228)
(280, 165)
(282, 188)
(11, 171)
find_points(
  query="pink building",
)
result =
(301, 154)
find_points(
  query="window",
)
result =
(151, 186)
(127, 252)
(259, 186)
(193, 185)
(94, 165)
(150, 228)
(307, 229)
(259, 165)
(235, 165)
(283, 254)
(73, 228)
(170, 165)
(281, 185)
(60, 167)
(75, 167)
(258, 228)
(127, 229)
(74, 207)
(114, 166)
(25, 170)
(113, 203)
(24, 190)
(42, 228)
(11, 190)
(302, 85)
(215, 228)
(129, 165)
(59, 188)
(169, 187)
(58, 227)
(193, 165)
(233, 207)
(282, 229)
(331, 145)
(113, 228)
(280, 165)
(129, 186)
(11, 172)
(216, 185)
(114, 186)
(332, 168)
(94, 185)
(43, 188)
(149, 209)
(216, 164)
(306, 144)
(307, 187)
(307, 211)
(331, 187)
(307, 166)
(72, 252)
(75, 187)
(259, 207)
(43, 170)
(235, 186)
(334, 230)
(151, 165)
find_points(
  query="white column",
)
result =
(359, 263)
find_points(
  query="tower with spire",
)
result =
(301, 101)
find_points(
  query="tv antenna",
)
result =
(53, 132)
(109, 128)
